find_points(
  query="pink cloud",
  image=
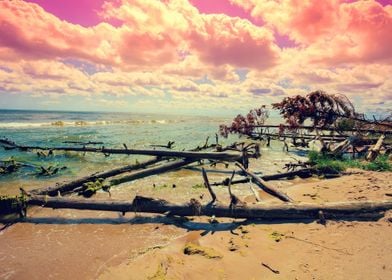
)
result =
(152, 34)
(335, 31)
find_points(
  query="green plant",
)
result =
(325, 161)
(381, 163)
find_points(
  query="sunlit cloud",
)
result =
(191, 54)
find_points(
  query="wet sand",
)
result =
(67, 244)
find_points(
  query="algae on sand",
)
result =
(194, 249)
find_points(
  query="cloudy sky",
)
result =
(196, 56)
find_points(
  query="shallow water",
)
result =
(113, 129)
(71, 244)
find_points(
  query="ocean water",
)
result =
(53, 128)
(68, 239)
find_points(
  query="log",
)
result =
(69, 186)
(375, 150)
(265, 186)
(303, 173)
(228, 155)
(170, 166)
(338, 210)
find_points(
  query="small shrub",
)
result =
(325, 161)
(381, 163)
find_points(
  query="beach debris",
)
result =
(234, 200)
(265, 186)
(270, 268)
(365, 210)
(342, 251)
(322, 219)
(83, 143)
(169, 145)
(233, 246)
(68, 187)
(208, 186)
(90, 188)
(276, 236)
(191, 248)
(173, 165)
(9, 166)
(196, 155)
(44, 155)
(375, 150)
(50, 170)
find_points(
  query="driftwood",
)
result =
(255, 192)
(375, 150)
(208, 186)
(341, 147)
(227, 156)
(340, 210)
(83, 143)
(69, 186)
(234, 200)
(77, 184)
(152, 171)
(265, 186)
(303, 173)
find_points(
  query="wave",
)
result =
(61, 123)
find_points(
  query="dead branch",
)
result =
(208, 186)
(69, 186)
(170, 166)
(265, 186)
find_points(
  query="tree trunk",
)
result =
(339, 210)
(227, 156)
(375, 150)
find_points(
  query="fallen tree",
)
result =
(227, 155)
(375, 150)
(77, 185)
(339, 210)
(69, 186)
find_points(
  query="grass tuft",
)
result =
(325, 161)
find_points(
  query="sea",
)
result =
(58, 243)
(113, 130)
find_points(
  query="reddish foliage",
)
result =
(245, 124)
(321, 108)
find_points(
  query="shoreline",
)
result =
(66, 243)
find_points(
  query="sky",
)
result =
(207, 57)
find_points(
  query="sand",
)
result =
(112, 247)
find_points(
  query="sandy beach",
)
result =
(68, 244)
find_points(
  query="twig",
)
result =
(208, 186)
(270, 268)
(322, 246)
